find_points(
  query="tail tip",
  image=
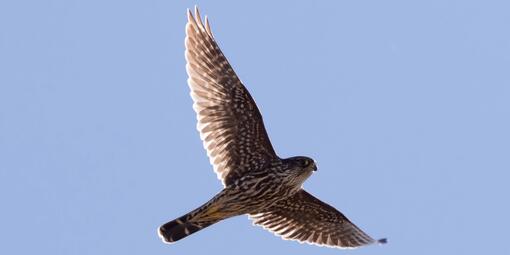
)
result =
(163, 236)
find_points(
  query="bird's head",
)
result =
(299, 168)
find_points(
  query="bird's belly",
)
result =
(255, 200)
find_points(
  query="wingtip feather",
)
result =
(208, 26)
(190, 15)
(382, 241)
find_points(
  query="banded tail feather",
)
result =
(181, 227)
(209, 213)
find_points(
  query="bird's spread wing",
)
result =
(305, 218)
(229, 121)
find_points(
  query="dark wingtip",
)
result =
(382, 241)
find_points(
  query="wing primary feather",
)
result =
(208, 26)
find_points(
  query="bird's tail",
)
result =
(200, 218)
(182, 227)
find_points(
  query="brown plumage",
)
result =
(257, 182)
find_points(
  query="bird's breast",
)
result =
(253, 194)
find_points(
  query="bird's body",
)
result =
(251, 194)
(256, 181)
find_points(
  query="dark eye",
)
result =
(305, 163)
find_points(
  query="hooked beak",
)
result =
(314, 167)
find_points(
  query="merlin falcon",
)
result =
(256, 181)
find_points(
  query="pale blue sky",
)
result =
(405, 106)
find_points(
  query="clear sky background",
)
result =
(405, 105)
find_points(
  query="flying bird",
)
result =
(256, 181)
